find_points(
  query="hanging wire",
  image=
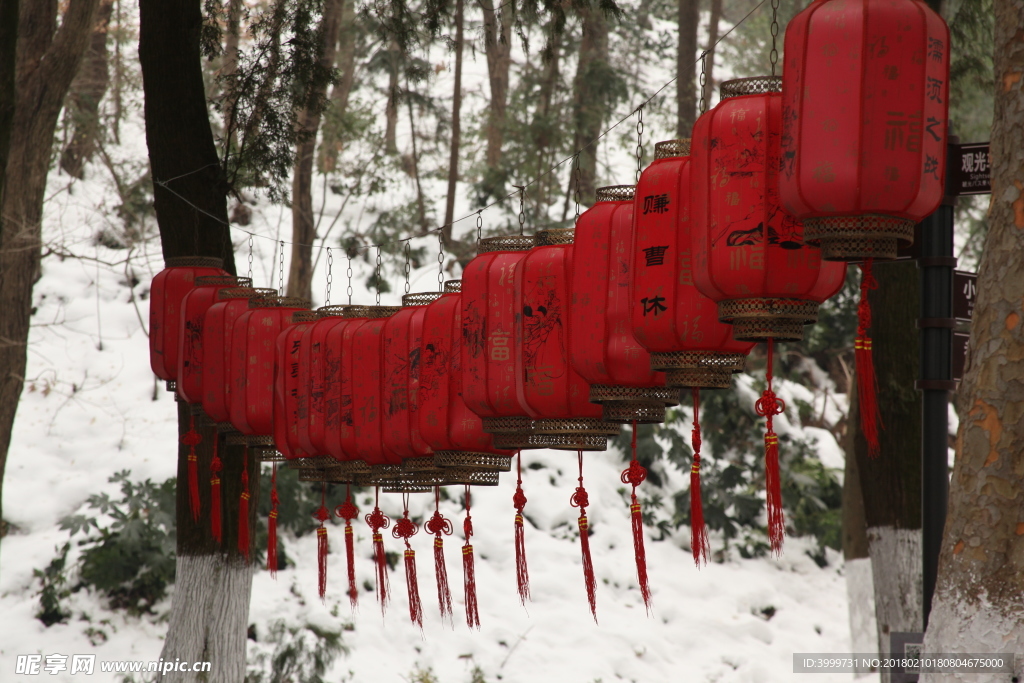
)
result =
(330, 276)
(578, 178)
(280, 279)
(250, 257)
(703, 81)
(639, 141)
(349, 273)
(440, 261)
(774, 55)
(408, 265)
(378, 275)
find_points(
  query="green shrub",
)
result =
(53, 590)
(300, 655)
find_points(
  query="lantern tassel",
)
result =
(581, 500)
(867, 382)
(635, 475)
(348, 511)
(767, 407)
(405, 529)
(377, 520)
(322, 548)
(191, 438)
(469, 570)
(243, 510)
(519, 502)
(215, 469)
(272, 526)
(438, 525)
(698, 530)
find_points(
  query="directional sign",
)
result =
(965, 291)
(960, 340)
(969, 169)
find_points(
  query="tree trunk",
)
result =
(333, 129)
(453, 159)
(209, 610)
(891, 483)
(498, 47)
(588, 106)
(300, 273)
(87, 91)
(686, 87)
(421, 209)
(230, 64)
(713, 21)
(545, 124)
(46, 62)
(980, 593)
(391, 109)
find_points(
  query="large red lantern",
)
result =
(316, 376)
(366, 371)
(169, 287)
(288, 386)
(865, 106)
(339, 401)
(218, 327)
(553, 393)
(253, 363)
(489, 326)
(191, 340)
(671, 318)
(750, 256)
(602, 348)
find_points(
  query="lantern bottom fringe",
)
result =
(444, 595)
(412, 584)
(702, 378)
(473, 460)
(588, 564)
(469, 584)
(353, 593)
(321, 557)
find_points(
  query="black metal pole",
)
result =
(936, 324)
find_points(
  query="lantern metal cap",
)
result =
(222, 281)
(667, 149)
(453, 287)
(304, 316)
(616, 193)
(245, 292)
(381, 311)
(506, 243)
(555, 236)
(331, 311)
(194, 262)
(757, 85)
(280, 302)
(420, 298)
(356, 312)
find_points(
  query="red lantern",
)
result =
(449, 427)
(489, 316)
(288, 382)
(750, 256)
(253, 347)
(218, 327)
(191, 346)
(865, 106)
(315, 373)
(169, 287)
(670, 318)
(602, 347)
(339, 420)
(555, 395)
(366, 368)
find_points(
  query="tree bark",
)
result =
(333, 129)
(87, 91)
(391, 109)
(891, 483)
(46, 61)
(713, 21)
(421, 209)
(686, 86)
(300, 272)
(230, 64)
(588, 106)
(545, 123)
(209, 610)
(453, 159)
(980, 593)
(498, 48)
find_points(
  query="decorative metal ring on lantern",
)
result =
(506, 425)
(279, 302)
(420, 298)
(697, 368)
(355, 311)
(627, 412)
(625, 404)
(313, 469)
(450, 476)
(476, 461)
(506, 243)
(405, 488)
(270, 455)
(615, 193)
(667, 149)
(568, 442)
(845, 238)
(305, 316)
(194, 262)
(453, 287)
(380, 311)
(756, 85)
(420, 464)
(779, 319)
(230, 281)
(512, 442)
(554, 236)
(246, 293)
(331, 312)
(251, 440)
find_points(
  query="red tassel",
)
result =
(191, 438)
(377, 520)
(272, 526)
(405, 529)
(519, 502)
(867, 382)
(469, 571)
(348, 511)
(635, 475)
(243, 510)
(322, 515)
(215, 469)
(767, 407)
(698, 530)
(581, 500)
(438, 525)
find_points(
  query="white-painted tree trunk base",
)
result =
(969, 626)
(860, 588)
(896, 573)
(209, 618)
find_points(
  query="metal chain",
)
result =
(349, 273)
(703, 81)
(479, 226)
(774, 55)
(378, 275)
(408, 266)
(280, 279)
(440, 260)
(330, 276)
(578, 176)
(639, 141)
(522, 209)
(250, 257)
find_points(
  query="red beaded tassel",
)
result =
(405, 529)
(322, 548)
(469, 570)
(581, 500)
(191, 438)
(767, 407)
(272, 525)
(243, 510)
(634, 475)
(215, 469)
(348, 511)
(698, 530)
(377, 520)
(438, 525)
(867, 382)
(519, 502)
